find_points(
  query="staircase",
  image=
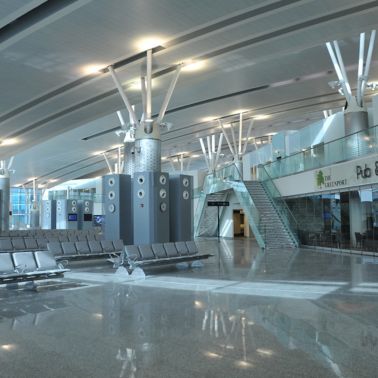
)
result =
(208, 224)
(273, 229)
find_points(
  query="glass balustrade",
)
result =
(350, 147)
(279, 203)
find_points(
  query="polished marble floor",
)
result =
(244, 313)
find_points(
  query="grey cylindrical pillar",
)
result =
(5, 199)
(148, 155)
(129, 165)
(34, 219)
(356, 121)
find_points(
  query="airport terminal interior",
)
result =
(188, 188)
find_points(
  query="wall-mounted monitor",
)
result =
(87, 217)
(72, 217)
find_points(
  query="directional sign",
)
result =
(218, 203)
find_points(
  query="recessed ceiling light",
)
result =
(9, 142)
(261, 116)
(32, 178)
(96, 153)
(91, 69)
(193, 65)
(238, 111)
(8, 347)
(208, 119)
(271, 134)
(195, 156)
(117, 145)
(149, 42)
(53, 180)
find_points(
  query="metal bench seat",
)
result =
(162, 254)
(28, 266)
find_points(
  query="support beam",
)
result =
(144, 97)
(248, 135)
(123, 95)
(107, 163)
(218, 150)
(10, 163)
(226, 136)
(204, 153)
(342, 68)
(338, 70)
(234, 140)
(168, 96)
(240, 132)
(121, 120)
(149, 85)
(360, 69)
(368, 62)
(209, 149)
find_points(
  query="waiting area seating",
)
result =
(162, 254)
(35, 243)
(84, 250)
(28, 266)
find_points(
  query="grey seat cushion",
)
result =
(82, 247)
(45, 260)
(6, 245)
(192, 247)
(6, 263)
(181, 248)
(69, 248)
(171, 250)
(42, 243)
(31, 243)
(107, 245)
(159, 250)
(18, 244)
(95, 246)
(55, 248)
(118, 245)
(24, 261)
(146, 252)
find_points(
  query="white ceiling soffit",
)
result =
(269, 57)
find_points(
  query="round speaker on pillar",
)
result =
(111, 181)
(185, 195)
(141, 193)
(185, 182)
(111, 195)
(163, 207)
(162, 180)
(73, 203)
(141, 180)
(163, 193)
(111, 208)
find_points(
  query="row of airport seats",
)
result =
(40, 233)
(82, 250)
(162, 254)
(28, 266)
(31, 244)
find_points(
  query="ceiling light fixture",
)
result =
(261, 116)
(91, 69)
(193, 65)
(9, 142)
(149, 42)
(208, 119)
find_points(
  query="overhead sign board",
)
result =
(218, 203)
